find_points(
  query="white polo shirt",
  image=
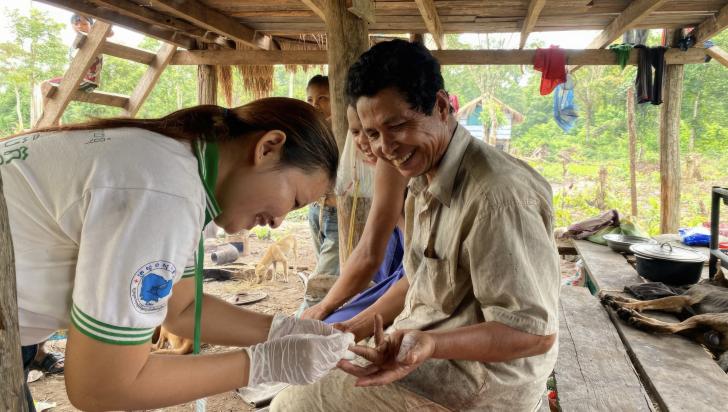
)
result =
(103, 223)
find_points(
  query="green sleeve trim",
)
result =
(103, 332)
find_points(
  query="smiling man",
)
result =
(475, 318)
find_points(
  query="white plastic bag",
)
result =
(354, 178)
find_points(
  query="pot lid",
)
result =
(668, 252)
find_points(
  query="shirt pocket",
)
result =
(435, 284)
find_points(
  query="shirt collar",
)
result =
(443, 182)
(207, 161)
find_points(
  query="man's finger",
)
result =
(355, 370)
(370, 354)
(378, 329)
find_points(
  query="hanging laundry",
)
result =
(551, 63)
(648, 84)
(564, 109)
(622, 51)
(708, 44)
(454, 102)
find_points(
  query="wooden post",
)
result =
(12, 397)
(632, 130)
(206, 84)
(670, 146)
(83, 60)
(348, 37)
(417, 38)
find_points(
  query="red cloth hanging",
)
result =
(551, 63)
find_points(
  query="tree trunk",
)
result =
(347, 38)
(670, 148)
(19, 110)
(632, 130)
(291, 77)
(11, 371)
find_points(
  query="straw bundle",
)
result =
(225, 81)
(257, 79)
(304, 42)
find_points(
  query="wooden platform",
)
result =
(677, 373)
(594, 371)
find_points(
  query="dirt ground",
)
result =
(282, 297)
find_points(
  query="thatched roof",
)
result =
(468, 109)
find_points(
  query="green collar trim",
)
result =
(207, 160)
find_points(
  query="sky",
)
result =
(567, 40)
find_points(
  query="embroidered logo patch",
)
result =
(151, 284)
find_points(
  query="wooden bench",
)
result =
(593, 371)
(679, 374)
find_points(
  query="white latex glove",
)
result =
(296, 359)
(283, 325)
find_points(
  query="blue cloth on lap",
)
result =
(390, 271)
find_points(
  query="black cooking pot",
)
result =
(668, 264)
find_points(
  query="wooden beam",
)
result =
(213, 20)
(149, 79)
(670, 145)
(364, 9)
(317, 6)
(712, 26)
(166, 35)
(432, 21)
(83, 60)
(12, 397)
(635, 13)
(720, 55)
(95, 97)
(149, 16)
(594, 57)
(127, 53)
(534, 10)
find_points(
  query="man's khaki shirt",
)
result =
(479, 248)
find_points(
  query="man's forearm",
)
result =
(217, 316)
(489, 342)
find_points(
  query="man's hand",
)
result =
(393, 358)
(317, 312)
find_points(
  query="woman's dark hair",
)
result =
(318, 80)
(309, 145)
(408, 67)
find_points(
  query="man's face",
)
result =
(410, 141)
(318, 97)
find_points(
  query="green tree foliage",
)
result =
(34, 54)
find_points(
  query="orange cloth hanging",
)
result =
(551, 63)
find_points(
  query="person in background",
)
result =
(82, 26)
(378, 256)
(322, 216)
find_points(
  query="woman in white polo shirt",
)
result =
(105, 215)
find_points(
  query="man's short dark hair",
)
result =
(409, 67)
(318, 80)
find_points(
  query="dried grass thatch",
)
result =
(304, 42)
(225, 82)
(257, 79)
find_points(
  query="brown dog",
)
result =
(275, 254)
(705, 304)
(177, 344)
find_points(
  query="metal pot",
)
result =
(621, 243)
(672, 265)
